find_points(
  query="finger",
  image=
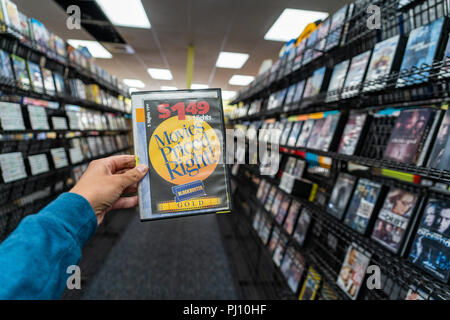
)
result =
(131, 189)
(132, 176)
(121, 162)
(125, 202)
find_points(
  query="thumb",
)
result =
(134, 175)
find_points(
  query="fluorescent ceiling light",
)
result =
(231, 60)
(134, 83)
(168, 88)
(131, 90)
(291, 23)
(160, 74)
(239, 80)
(227, 95)
(129, 13)
(199, 86)
(94, 47)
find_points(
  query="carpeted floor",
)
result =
(179, 258)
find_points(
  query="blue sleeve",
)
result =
(35, 257)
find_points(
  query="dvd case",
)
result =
(410, 132)
(302, 141)
(430, 249)
(422, 48)
(363, 204)
(355, 74)
(394, 219)
(311, 285)
(353, 271)
(341, 194)
(314, 83)
(301, 230)
(337, 80)
(352, 133)
(6, 70)
(180, 136)
(292, 267)
(381, 63)
(440, 155)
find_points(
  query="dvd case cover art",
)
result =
(270, 198)
(308, 56)
(352, 133)
(49, 85)
(291, 217)
(290, 95)
(381, 62)
(292, 267)
(314, 83)
(179, 135)
(257, 218)
(362, 205)
(283, 210)
(299, 91)
(408, 135)
(430, 250)
(260, 191)
(274, 237)
(394, 218)
(280, 249)
(421, 49)
(296, 128)
(302, 141)
(20, 72)
(286, 132)
(336, 28)
(37, 83)
(355, 74)
(311, 285)
(326, 134)
(322, 33)
(276, 203)
(301, 230)
(314, 139)
(266, 226)
(440, 154)
(341, 194)
(6, 70)
(265, 193)
(337, 80)
(353, 271)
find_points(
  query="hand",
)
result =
(105, 180)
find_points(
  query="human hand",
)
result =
(105, 180)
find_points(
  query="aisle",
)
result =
(167, 259)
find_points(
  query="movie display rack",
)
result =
(58, 111)
(364, 142)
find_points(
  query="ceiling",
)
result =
(210, 26)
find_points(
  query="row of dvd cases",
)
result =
(348, 102)
(58, 111)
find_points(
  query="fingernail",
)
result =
(142, 168)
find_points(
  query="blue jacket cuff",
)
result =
(76, 215)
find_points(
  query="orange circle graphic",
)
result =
(183, 151)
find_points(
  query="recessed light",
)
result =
(160, 74)
(94, 47)
(291, 23)
(199, 86)
(231, 60)
(228, 95)
(129, 13)
(134, 83)
(168, 88)
(240, 80)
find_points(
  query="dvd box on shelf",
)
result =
(363, 204)
(341, 194)
(440, 154)
(431, 246)
(394, 219)
(310, 285)
(292, 267)
(353, 131)
(353, 271)
(301, 229)
(407, 140)
(179, 135)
